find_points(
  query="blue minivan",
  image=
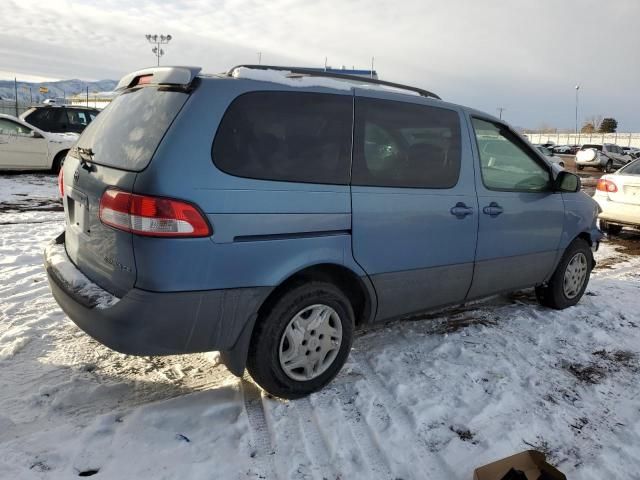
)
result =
(269, 212)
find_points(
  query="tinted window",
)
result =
(401, 144)
(78, 118)
(128, 131)
(286, 136)
(506, 162)
(47, 119)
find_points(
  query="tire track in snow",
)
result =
(430, 466)
(315, 443)
(363, 436)
(263, 450)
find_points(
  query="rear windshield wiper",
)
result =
(86, 156)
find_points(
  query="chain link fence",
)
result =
(8, 107)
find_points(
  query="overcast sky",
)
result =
(524, 56)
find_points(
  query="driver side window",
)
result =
(505, 164)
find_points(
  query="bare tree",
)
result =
(595, 120)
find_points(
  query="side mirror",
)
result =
(567, 182)
(35, 134)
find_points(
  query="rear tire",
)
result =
(58, 162)
(281, 340)
(570, 279)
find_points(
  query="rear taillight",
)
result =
(605, 185)
(152, 216)
(61, 182)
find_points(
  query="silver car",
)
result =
(606, 157)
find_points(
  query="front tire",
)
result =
(300, 344)
(570, 279)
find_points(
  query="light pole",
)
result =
(158, 40)
(577, 90)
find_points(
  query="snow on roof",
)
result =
(285, 77)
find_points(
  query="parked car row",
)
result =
(549, 153)
(633, 152)
(41, 137)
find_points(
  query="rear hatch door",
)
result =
(118, 144)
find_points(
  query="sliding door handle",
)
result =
(461, 210)
(493, 209)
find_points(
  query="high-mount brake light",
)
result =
(152, 216)
(144, 79)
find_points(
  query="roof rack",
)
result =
(319, 73)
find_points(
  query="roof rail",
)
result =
(319, 73)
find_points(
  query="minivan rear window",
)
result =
(595, 147)
(127, 132)
(286, 136)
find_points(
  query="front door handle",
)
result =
(493, 209)
(461, 210)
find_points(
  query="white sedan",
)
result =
(618, 195)
(25, 147)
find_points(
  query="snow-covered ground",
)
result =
(433, 398)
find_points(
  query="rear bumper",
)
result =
(616, 212)
(591, 163)
(152, 323)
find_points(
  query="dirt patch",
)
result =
(589, 374)
(30, 205)
(619, 358)
(464, 434)
(452, 325)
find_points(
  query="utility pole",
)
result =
(259, 58)
(15, 87)
(577, 90)
(158, 40)
(372, 59)
(500, 110)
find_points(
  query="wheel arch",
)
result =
(358, 289)
(59, 155)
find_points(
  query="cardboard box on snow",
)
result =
(532, 463)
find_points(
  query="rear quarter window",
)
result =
(286, 136)
(127, 132)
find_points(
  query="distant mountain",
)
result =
(57, 89)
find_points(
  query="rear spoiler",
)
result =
(182, 76)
